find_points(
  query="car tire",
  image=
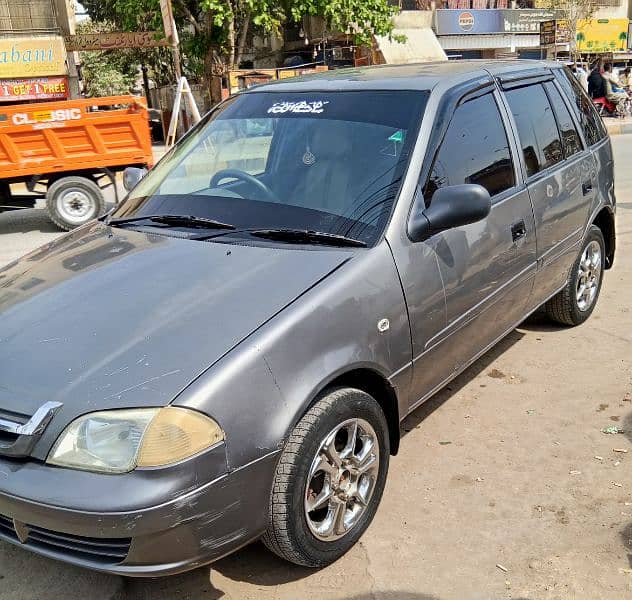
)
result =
(73, 201)
(570, 306)
(314, 538)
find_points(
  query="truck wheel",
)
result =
(73, 201)
(575, 303)
(329, 479)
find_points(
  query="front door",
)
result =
(487, 268)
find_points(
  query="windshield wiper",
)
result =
(300, 236)
(176, 220)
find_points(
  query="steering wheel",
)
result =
(247, 178)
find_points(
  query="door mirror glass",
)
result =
(131, 177)
(452, 206)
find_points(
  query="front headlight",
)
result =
(118, 441)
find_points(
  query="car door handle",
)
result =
(518, 230)
(587, 187)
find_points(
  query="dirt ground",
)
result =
(505, 486)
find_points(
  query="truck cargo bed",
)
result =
(73, 136)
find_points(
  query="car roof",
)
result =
(420, 76)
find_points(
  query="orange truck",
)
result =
(68, 152)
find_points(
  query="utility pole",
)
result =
(183, 90)
(172, 35)
(66, 23)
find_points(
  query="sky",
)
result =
(79, 10)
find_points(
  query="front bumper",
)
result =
(195, 527)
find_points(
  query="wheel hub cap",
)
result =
(588, 276)
(342, 479)
(75, 205)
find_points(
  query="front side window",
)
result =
(331, 162)
(537, 128)
(474, 150)
(591, 123)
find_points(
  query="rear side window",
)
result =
(571, 142)
(474, 150)
(591, 123)
(537, 128)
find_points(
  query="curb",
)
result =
(615, 128)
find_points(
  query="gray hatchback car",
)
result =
(228, 355)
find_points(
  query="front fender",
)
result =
(261, 389)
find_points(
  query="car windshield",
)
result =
(327, 162)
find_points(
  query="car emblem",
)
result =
(383, 325)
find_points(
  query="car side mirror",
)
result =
(131, 177)
(450, 207)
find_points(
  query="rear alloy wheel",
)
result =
(329, 479)
(575, 303)
(73, 201)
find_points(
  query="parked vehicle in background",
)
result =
(67, 152)
(306, 267)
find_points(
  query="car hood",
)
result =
(109, 318)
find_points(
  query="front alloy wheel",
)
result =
(329, 479)
(342, 479)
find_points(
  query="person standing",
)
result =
(614, 91)
(581, 75)
(596, 82)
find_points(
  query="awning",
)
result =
(421, 45)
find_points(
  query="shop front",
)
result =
(490, 33)
(33, 69)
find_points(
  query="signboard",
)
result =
(527, 21)
(42, 88)
(483, 21)
(602, 35)
(32, 57)
(112, 41)
(554, 32)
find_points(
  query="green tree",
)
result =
(214, 33)
(572, 11)
(580, 38)
(623, 38)
(108, 72)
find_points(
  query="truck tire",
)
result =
(329, 479)
(73, 201)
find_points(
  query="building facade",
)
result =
(34, 65)
(509, 29)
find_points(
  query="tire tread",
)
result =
(278, 536)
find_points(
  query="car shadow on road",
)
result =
(539, 321)
(28, 219)
(626, 538)
(482, 364)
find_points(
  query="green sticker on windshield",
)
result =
(398, 136)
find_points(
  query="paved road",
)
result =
(518, 485)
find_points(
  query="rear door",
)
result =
(560, 174)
